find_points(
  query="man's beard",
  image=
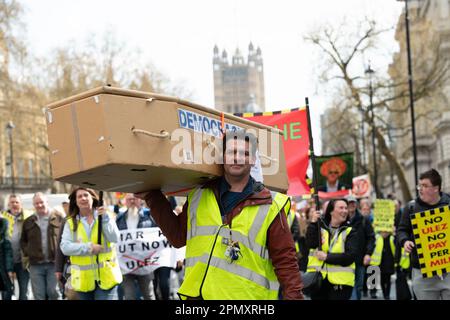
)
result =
(133, 210)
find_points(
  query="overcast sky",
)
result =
(178, 37)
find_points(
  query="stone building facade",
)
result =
(29, 148)
(430, 48)
(239, 86)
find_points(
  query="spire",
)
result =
(216, 58)
(258, 57)
(237, 58)
(251, 55)
(224, 57)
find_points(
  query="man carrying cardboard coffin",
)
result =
(238, 242)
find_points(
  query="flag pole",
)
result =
(312, 156)
(313, 164)
(99, 231)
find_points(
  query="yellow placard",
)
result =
(431, 235)
(383, 215)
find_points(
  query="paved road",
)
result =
(379, 293)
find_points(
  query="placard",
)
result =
(383, 215)
(141, 251)
(431, 236)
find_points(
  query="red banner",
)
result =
(294, 125)
(333, 195)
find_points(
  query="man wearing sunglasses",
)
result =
(333, 184)
(430, 197)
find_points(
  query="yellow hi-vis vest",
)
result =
(12, 220)
(85, 271)
(375, 258)
(210, 274)
(338, 275)
(405, 260)
(290, 214)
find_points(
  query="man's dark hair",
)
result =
(434, 177)
(241, 135)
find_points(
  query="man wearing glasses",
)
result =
(332, 170)
(430, 197)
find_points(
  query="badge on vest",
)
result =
(233, 251)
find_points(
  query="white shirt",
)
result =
(333, 188)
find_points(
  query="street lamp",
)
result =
(363, 139)
(411, 100)
(369, 72)
(391, 170)
(9, 128)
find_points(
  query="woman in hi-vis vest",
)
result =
(336, 258)
(94, 268)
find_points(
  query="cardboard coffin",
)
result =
(114, 139)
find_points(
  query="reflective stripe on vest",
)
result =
(87, 267)
(12, 220)
(193, 207)
(236, 235)
(236, 269)
(242, 239)
(290, 216)
(375, 258)
(209, 272)
(85, 271)
(315, 264)
(334, 268)
(338, 275)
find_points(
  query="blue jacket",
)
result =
(145, 220)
